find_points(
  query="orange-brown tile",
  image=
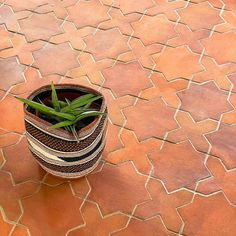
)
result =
(150, 119)
(141, 53)
(124, 190)
(94, 222)
(40, 26)
(132, 5)
(120, 21)
(148, 227)
(33, 81)
(166, 90)
(204, 101)
(135, 151)
(192, 131)
(20, 231)
(106, 44)
(9, 201)
(81, 15)
(25, 5)
(22, 49)
(209, 216)
(221, 180)
(223, 144)
(183, 63)
(167, 8)
(51, 217)
(5, 227)
(11, 73)
(179, 165)
(115, 106)
(73, 35)
(55, 59)
(160, 22)
(230, 22)
(80, 187)
(8, 139)
(10, 19)
(164, 204)
(126, 78)
(205, 16)
(12, 115)
(5, 38)
(221, 47)
(21, 163)
(188, 37)
(91, 68)
(215, 72)
(58, 7)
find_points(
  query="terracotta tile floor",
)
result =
(168, 72)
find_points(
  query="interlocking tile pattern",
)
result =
(168, 72)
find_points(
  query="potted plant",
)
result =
(66, 128)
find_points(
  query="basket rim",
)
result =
(61, 133)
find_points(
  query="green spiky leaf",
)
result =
(55, 101)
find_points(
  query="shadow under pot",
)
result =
(57, 150)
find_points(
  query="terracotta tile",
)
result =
(8, 139)
(141, 53)
(216, 213)
(40, 26)
(58, 7)
(153, 117)
(126, 78)
(122, 179)
(22, 49)
(149, 227)
(229, 118)
(120, 21)
(113, 139)
(164, 89)
(215, 72)
(11, 73)
(160, 22)
(12, 116)
(115, 106)
(136, 151)
(232, 79)
(95, 223)
(9, 201)
(229, 5)
(2, 159)
(106, 44)
(167, 8)
(20, 231)
(205, 16)
(193, 131)
(21, 164)
(91, 68)
(25, 5)
(188, 37)
(175, 163)
(184, 65)
(221, 47)
(81, 15)
(5, 38)
(204, 101)
(223, 144)
(73, 35)
(80, 187)
(230, 22)
(220, 180)
(5, 226)
(10, 19)
(52, 180)
(33, 81)
(55, 59)
(51, 218)
(215, 3)
(164, 204)
(132, 5)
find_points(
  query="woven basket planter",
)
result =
(56, 150)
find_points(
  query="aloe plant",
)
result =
(66, 114)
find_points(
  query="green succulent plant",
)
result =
(66, 114)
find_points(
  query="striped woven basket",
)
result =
(56, 150)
